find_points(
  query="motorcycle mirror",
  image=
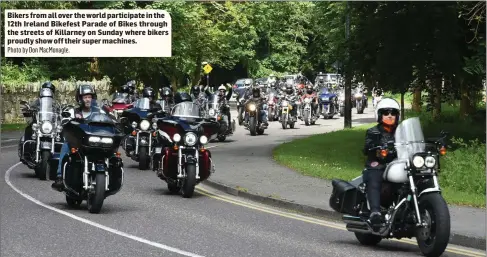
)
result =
(66, 114)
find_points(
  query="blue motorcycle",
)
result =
(328, 102)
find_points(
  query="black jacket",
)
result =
(377, 136)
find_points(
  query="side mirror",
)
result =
(66, 114)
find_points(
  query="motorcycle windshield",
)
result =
(97, 115)
(213, 101)
(409, 138)
(46, 111)
(120, 98)
(324, 91)
(143, 103)
(186, 109)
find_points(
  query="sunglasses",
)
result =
(390, 112)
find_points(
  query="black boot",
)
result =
(376, 221)
(58, 184)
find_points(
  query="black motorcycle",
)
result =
(217, 111)
(411, 200)
(181, 159)
(92, 170)
(138, 143)
(252, 117)
(41, 139)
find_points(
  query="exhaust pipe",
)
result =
(355, 224)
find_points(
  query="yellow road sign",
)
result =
(207, 69)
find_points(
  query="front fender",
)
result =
(429, 191)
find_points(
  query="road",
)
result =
(143, 219)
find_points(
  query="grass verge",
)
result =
(13, 127)
(338, 155)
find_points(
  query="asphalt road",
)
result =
(143, 219)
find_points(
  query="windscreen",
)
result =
(410, 138)
(120, 98)
(143, 103)
(46, 110)
(186, 109)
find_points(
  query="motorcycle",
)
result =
(182, 159)
(359, 99)
(252, 117)
(286, 109)
(120, 102)
(216, 112)
(341, 103)
(92, 170)
(411, 199)
(328, 102)
(272, 111)
(45, 140)
(241, 107)
(309, 116)
(138, 144)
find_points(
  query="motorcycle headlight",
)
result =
(211, 112)
(358, 95)
(176, 138)
(106, 140)
(418, 161)
(144, 125)
(46, 127)
(252, 107)
(429, 161)
(190, 139)
(203, 140)
(134, 124)
(342, 98)
(284, 103)
(154, 125)
(59, 128)
(94, 140)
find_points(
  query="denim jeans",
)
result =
(64, 151)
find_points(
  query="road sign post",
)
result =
(207, 69)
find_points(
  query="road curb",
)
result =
(457, 239)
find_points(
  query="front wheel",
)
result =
(95, 199)
(240, 116)
(306, 118)
(368, 239)
(45, 167)
(144, 160)
(433, 239)
(284, 121)
(190, 181)
(252, 126)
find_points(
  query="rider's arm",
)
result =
(229, 95)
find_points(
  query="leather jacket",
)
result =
(377, 136)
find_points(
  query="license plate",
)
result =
(100, 167)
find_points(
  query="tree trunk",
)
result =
(416, 104)
(464, 99)
(174, 83)
(196, 78)
(437, 86)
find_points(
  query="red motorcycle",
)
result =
(120, 102)
(180, 157)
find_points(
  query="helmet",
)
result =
(247, 83)
(50, 86)
(196, 90)
(182, 97)
(83, 90)
(256, 92)
(222, 87)
(387, 105)
(46, 92)
(125, 89)
(131, 83)
(148, 92)
(165, 92)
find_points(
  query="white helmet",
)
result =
(387, 103)
(222, 87)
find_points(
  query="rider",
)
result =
(195, 91)
(132, 90)
(42, 93)
(84, 96)
(290, 91)
(388, 118)
(224, 97)
(165, 94)
(148, 92)
(259, 98)
(180, 97)
(310, 92)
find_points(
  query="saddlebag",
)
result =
(344, 196)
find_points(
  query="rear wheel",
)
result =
(95, 199)
(368, 239)
(189, 182)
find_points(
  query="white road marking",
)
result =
(94, 224)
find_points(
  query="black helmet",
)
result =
(46, 92)
(49, 85)
(83, 90)
(165, 92)
(148, 92)
(182, 97)
(125, 89)
(196, 90)
(256, 92)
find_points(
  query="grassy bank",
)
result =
(338, 155)
(13, 127)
